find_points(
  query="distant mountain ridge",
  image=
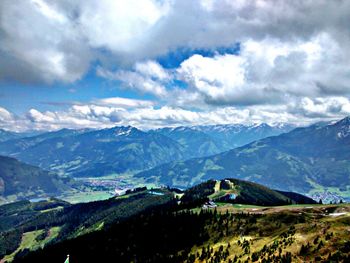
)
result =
(195, 142)
(10, 135)
(207, 140)
(93, 153)
(7, 135)
(302, 160)
(21, 143)
(236, 135)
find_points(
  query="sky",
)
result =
(156, 63)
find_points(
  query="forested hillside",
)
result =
(19, 180)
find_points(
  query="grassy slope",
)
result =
(326, 235)
(31, 241)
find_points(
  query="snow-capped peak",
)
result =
(344, 127)
(119, 131)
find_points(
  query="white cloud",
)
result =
(215, 77)
(300, 112)
(264, 72)
(152, 69)
(49, 12)
(322, 108)
(120, 26)
(5, 115)
(39, 43)
(124, 102)
(57, 40)
(144, 78)
(38, 117)
(269, 71)
(9, 121)
(293, 62)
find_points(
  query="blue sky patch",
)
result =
(174, 58)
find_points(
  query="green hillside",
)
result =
(19, 180)
(24, 218)
(236, 191)
(26, 226)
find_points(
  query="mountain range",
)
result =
(200, 141)
(9, 135)
(94, 153)
(302, 160)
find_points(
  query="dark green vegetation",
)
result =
(297, 198)
(302, 160)
(155, 236)
(18, 212)
(250, 222)
(240, 192)
(19, 181)
(15, 214)
(169, 233)
(23, 222)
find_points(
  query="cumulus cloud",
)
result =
(322, 108)
(120, 26)
(264, 72)
(292, 64)
(39, 43)
(117, 112)
(147, 77)
(48, 41)
(269, 72)
(124, 102)
(10, 121)
(5, 115)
